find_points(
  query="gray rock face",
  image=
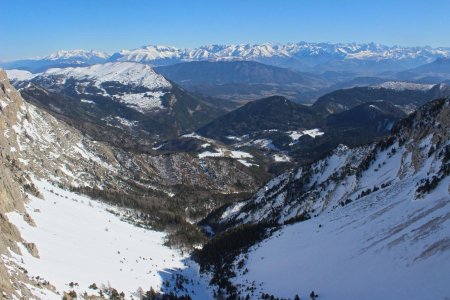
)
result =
(12, 177)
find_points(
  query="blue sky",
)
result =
(32, 28)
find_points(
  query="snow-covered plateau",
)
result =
(19, 75)
(126, 73)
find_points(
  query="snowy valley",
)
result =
(117, 183)
(57, 240)
(85, 246)
(224, 150)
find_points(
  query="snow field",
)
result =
(80, 241)
(383, 247)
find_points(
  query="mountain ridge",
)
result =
(301, 55)
(406, 95)
(218, 72)
(125, 94)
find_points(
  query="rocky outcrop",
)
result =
(11, 191)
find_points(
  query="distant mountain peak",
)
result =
(78, 53)
(371, 51)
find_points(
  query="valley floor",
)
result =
(84, 241)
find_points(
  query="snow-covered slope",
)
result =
(346, 175)
(126, 73)
(82, 241)
(19, 75)
(34, 145)
(369, 223)
(402, 86)
(385, 246)
(145, 87)
(50, 148)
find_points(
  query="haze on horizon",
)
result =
(38, 28)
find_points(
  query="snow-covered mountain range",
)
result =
(59, 59)
(73, 55)
(303, 55)
(370, 51)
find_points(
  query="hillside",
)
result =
(265, 114)
(222, 72)
(372, 117)
(440, 66)
(371, 218)
(242, 81)
(405, 95)
(436, 71)
(289, 132)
